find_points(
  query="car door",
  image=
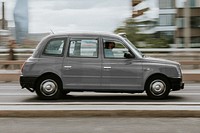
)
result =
(82, 65)
(118, 72)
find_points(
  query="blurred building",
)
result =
(138, 12)
(142, 11)
(3, 24)
(4, 38)
(158, 18)
(4, 32)
(189, 11)
(166, 25)
(165, 18)
(31, 40)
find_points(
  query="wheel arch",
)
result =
(49, 74)
(155, 75)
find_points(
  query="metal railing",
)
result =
(189, 59)
(188, 51)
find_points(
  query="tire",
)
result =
(48, 88)
(64, 94)
(157, 87)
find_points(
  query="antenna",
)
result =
(51, 31)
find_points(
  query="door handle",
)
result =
(147, 69)
(67, 67)
(107, 67)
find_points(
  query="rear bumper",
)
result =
(28, 82)
(176, 84)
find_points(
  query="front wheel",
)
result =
(157, 87)
(48, 88)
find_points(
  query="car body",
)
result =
(62, 63)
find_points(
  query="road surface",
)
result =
(99, 125)
(15, 102)
(12, 93)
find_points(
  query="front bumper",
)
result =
(176, 84)
(28, 82)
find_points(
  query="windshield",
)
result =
(134, 48)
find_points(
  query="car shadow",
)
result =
(107, 98)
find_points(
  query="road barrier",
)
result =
(167, 53)
(189, 58)
(9, 75)
(11, 64)
(16, 64)
(13, 75)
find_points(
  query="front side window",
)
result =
(83, 48)
(114, 49)
(54, 47)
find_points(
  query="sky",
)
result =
(73, 15)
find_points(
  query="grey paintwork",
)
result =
(99, 74)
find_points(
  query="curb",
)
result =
(99, 113)
(98, 110)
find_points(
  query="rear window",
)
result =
(54, 47)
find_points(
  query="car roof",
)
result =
(105, 34)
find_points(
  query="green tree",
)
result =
(131, 30)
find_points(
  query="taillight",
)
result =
(22, 67)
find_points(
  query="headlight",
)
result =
(179, 71)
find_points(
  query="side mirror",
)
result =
(128, 55)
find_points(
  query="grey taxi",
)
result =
(97, 62)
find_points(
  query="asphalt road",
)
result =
(16, 102)
(12, 93)
(99, 125)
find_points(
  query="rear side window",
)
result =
(83, 48)
(54, 47)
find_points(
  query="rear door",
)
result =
(82, 65)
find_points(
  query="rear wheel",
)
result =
(157, 87)
(49, 88)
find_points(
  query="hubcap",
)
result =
(158, 87)
(48, 87)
